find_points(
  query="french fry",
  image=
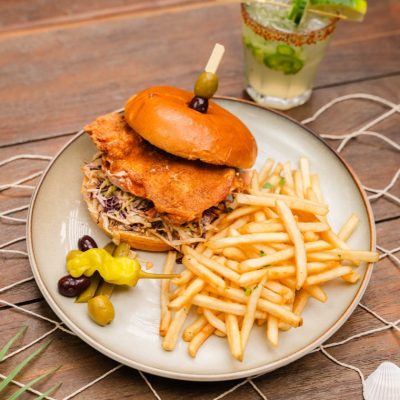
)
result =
(310, 236)
(280, 312)
(265, 171)
(316, 188)
(298, 184)
(191, 331)
(316, 292)
(305, 173)
(211, 264)
(272, 330)
(342, 254)
(280, 289)
(259, 216)
(295, 236)
(252, 277)
(262, 227)
(233, 265)
(283, 255)
(318, 267)
(199, 339)
(348, 228)
(287, 174)
(254, 183)
(268, 200)
(174, 329)
(192, 289)
(203, 272)
(213, 320)
(327, 276)
(224, 306)
(233, 253)
(233, 333)
(269, 213)
(280, 272)
(300, 301)
(240, 212)
(248, 239)
(249, 315)
(236, 225)
(165, 314)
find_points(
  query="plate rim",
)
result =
(251, 372)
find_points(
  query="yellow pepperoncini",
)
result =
(115, 270)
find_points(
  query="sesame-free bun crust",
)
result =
(135, 240)
(161, 115)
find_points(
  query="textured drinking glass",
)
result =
(281, 60)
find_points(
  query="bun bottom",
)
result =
(134, 239)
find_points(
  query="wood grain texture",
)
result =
(27, 14)
(77, 72)
(65, 62)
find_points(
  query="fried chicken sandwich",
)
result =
(164, 171)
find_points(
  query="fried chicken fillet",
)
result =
(179, 188)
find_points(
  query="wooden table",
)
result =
(63, 63)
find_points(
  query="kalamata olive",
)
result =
(71, 287)
(206, 85)
(86, 243)
(101, 310)
(199, 104)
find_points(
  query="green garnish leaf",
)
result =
(5, 349)
(267, 185)
(50, 391)
(16, 395)
(282, 181)
(262, 253)
(22, 365)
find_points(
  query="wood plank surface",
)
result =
(63, 63)
(77, 72)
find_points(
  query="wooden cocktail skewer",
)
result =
(285, 5)
(215, 58)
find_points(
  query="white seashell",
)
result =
(383, 383)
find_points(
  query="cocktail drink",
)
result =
(282, 57)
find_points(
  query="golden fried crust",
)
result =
(180, 188)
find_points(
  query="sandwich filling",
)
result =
(118, 210)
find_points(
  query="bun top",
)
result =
(161, 115)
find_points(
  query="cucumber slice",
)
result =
(285, 50)
(289, 65)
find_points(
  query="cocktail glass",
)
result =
(281, 59)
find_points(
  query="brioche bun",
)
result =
(161, 115)
(134, 239)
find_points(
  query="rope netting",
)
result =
(374, 194)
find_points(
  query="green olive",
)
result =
(206, 85)
(101, 310)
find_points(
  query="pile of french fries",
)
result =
(264, 260)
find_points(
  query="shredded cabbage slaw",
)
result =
(123, 211)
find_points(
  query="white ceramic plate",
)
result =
(58, 217)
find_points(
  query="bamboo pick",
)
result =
(215, 58)
(285, 5)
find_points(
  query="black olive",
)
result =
(199, 104)
(86, 243)
(71, 287)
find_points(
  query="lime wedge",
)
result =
(298, 11)
(354, 10)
